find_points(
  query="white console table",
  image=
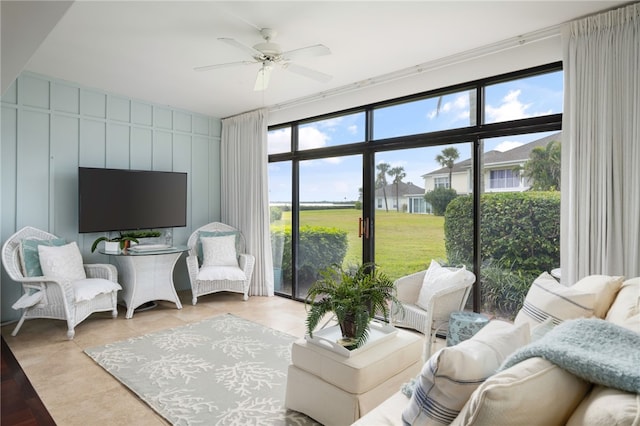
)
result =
(147, 276)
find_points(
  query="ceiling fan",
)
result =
(269, 54)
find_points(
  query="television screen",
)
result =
(121, 200)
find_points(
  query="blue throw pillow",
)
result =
(30, 257)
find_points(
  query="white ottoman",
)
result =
(338, 390)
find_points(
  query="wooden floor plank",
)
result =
(20, 404)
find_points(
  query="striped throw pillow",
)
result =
(453, 373)
(547, 298)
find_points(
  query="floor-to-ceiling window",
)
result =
(374, 184)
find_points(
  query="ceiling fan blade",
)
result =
(262, 80)
(306, 52)
(307, 72)
(229, 64)
(247, 49)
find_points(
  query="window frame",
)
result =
(474, 134)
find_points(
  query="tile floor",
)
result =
(77, 391)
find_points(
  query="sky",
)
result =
(339, 179)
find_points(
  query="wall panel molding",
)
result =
(51, 127)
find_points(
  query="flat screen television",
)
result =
(121, 200)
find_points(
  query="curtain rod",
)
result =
(454, 59)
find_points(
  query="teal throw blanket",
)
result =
(593, 349)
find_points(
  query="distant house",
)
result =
(411, 198)
(499, 170)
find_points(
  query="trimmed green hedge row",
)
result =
(320, 247)
(521, 229)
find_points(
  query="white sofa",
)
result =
(451, 388)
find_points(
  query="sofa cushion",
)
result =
(627, 303)
(607, 406)
(453, 373)
(605, 288)
(533, 391)
(548, 298)
(540, 330)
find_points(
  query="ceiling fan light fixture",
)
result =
(268, 48)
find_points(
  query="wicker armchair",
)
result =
(198, 275)
(435, 318)
(46, 297)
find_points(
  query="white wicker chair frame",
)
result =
(435, 318)
(246, 263)
(56, 298)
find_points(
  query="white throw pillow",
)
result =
(605, 288)
(63, 262)
(548, 298)
(219, 251)
(89, 288)
(627, 302)
(453, 373)
(438, 278)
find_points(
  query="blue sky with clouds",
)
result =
(338, 179)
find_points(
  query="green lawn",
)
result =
(405, 243)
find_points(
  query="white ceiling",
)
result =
(147, 49)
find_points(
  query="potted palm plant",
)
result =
(354, 295)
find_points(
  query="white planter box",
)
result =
(112, 246)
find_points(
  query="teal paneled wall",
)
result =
(51, 127)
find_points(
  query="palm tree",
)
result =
(447, 158)
(381, 180)
(398, 174)
(543, 167)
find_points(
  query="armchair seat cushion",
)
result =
(89, 288)
(216, 273)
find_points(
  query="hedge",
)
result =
(521, 229)
(319, 248)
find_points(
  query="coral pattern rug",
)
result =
(221, 371)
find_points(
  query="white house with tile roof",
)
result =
(500, 174)
(411, 198)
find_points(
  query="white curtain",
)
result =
(600, 213)
(244, 193)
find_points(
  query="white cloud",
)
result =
(330, 122)
(279, 140)
(459, 106)
(511, 109)
(311, 137)
(353, 129)
(333, 160)
(507, 145)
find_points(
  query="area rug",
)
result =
(221, 371)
